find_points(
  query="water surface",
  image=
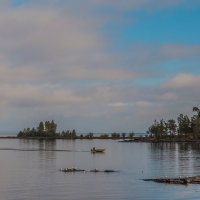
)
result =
(29, 169)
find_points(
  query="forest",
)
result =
(183, 127)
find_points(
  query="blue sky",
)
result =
(97, 65)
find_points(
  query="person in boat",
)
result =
(93, 149)
(94, 170)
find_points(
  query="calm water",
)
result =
(29, 169)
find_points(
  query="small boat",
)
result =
(95, 170)
(95, 150)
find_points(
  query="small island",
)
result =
(48, 130)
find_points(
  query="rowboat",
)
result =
(95, 150)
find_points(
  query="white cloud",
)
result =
(183, 81)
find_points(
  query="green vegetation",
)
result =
(48, 130)
(184, 127)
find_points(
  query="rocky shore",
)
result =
(161, 140)
(180, 180)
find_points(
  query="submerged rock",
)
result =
(106, 170)
(71, 170)
(82, 170)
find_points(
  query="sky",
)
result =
(98, 65)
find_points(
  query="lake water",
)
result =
(29, 170)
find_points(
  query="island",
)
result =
(184, 129)
(48, 130)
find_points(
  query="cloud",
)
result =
(46, 34)
(118, 104)
(57, 45)
(42, 51)
(168, 96)
(180, 51)
(143, 4)
(114, 4)
(56, 62)
(38, 96)
(148, 54)
(9, 74)
(183, 81)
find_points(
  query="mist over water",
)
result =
(30, 170)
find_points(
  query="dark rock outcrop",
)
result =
(182, 181)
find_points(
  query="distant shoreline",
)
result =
(9, 137)
(135, 139)
(61, 138)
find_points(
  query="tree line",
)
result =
(48, 129)
(183, 127)
(44, 129)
